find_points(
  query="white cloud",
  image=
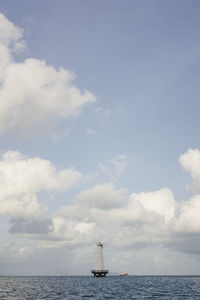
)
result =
(102, 197)
(135, 221)
(188, 216)
(115, 167)
(188, 220)
(11, 41)
(161, 202)
(92, 205)
(33, 94)
(73, 232)
(125, 222)
(190, 161)
(10, 35)
(21, 178)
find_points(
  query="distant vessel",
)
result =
(123, 274)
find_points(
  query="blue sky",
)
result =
(126, 151)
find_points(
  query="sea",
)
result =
(110, 287)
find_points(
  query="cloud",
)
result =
(137, 220)
(25, 226)
(124, 222)
(115, 167)
(15, 252)
(33, 95)
(190, 161)
(161, 202)
(101, 197)
(37, 258)
(187, 216)
(22, 178)
(129, 221)
(73, 233)
(10, 35)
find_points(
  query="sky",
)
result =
(99, 136)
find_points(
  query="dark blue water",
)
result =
(111, 287)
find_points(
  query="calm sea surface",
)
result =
(111, 287)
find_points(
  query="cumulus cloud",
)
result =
(73, 233)
(190, 161)
(129, 222)
(187, 216)
(22, 178)
(10, 35)
(32, 93)
(136, 220)
(91, 204)
(161, 202)
(102, 197)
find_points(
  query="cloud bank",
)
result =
(33, 95)
(130, 221)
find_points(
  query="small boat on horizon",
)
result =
(123, 274)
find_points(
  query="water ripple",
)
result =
(111, 287)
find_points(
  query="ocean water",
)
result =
(111, 287)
